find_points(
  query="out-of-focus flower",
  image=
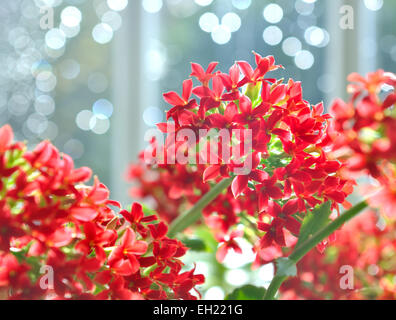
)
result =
(363, 135)
(368, 252)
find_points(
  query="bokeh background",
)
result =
(92, 84)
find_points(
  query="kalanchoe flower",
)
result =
(283, 218)
(248, 115)
(253, 76)
(96, 239)
(362, 244)
(225, 120)
(211, 98)
(240, 182)
(180, 103)
(227, 243)
(231, 83)
(136, 217)
(283, 162)
(268, 189)
(49, 217)
(6, 137)
(203, 76)
(363, 135)
(123, 259)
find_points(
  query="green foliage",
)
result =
(247, 292)
(204, 235)
(195, 244)
(314, 221)
(286, 267)
(331, 255)
(148, 211)
(253, 91)
(277, 158)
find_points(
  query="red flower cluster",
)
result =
(364, 252)
(50, 220)
(363, 134)
(290, 171)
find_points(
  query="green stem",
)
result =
(309, 244)
(147, 272)
(193, 215)
(274, 287)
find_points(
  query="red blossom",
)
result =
(202, 75)
(285, 159)
(48, 217)
(123, 258)
(6, 137)
(227, 243)
(180, 103)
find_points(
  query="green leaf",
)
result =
(206, 236)
(247, 292)
(286, 267)
(253, 91)
(314, 221)
(195, 244)
(148, 211)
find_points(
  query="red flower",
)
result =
(192, 121)
(12, 273)
(6, 137)
(227, 243)
(268, 189)
(71, 175)
(9, 227)
(282, 219)
(180, 103)
(293, 176)
(214, 171)
(263, 66)
(240, 182)
(202, 75)
(186, 282)
(158, 231)
(231, 81)
(210, 98)
(5, 171)
(118, 291)
(372, 83)
(384, 198)
(123, 260)
(225, 121)
(288, 153)
(96, 238)
(249, 115)
(136, 217)
(273, 233)
(360, 244)
(48, 217)
(272, 95)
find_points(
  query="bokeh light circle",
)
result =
(272, 35)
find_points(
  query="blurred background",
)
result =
(89, 74)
